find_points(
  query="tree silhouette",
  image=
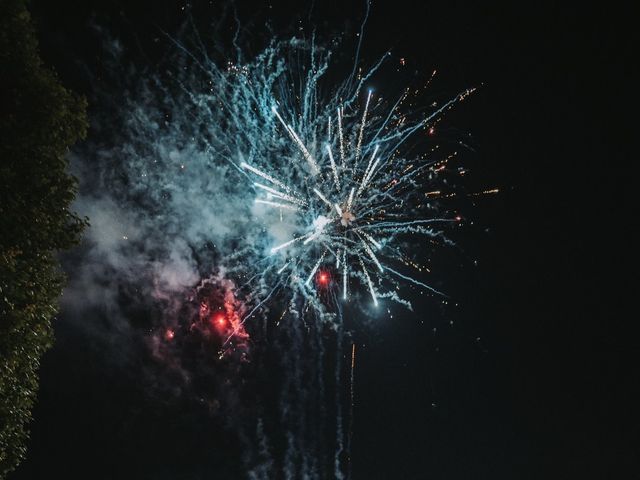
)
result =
(39, 121)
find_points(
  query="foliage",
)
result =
(39, 121)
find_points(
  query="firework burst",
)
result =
(300, 193)
(338, 178)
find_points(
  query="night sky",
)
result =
(531, 375)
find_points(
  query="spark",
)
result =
(371, 290)
(264, 175)
(333, 168)
(372, 255)
(276, 204)
(349, 173)
(362, 125)
(344, 275)
(372, 240)
(340, 137)
(345, 173)
(279, 194)
(286, 244)
(379, 199)
(350, 200)
(298, 142)
(365, 177)
(323, 278)
(282, 269)
(314, 270)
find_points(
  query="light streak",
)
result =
(298, 142)
(340, 137)
(362, 192)
(264, 175)
(314, 270)
(362, 125)
(276, 204)
(290, 242)
(371, 290)
(281, 195)
(368, 208)
(372, 255)
(344, 275)
(334, 169)
(365, 177)
(322, 197)
(350, 200)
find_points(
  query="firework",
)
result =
(301, 194)
(346, 194)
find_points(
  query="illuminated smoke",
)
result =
(301, 195)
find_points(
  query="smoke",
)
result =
(185, 264)
(176, 240)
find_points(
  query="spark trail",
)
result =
(312, 193)
(349, 212)
(335, 173)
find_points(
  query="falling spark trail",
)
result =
(281, 195)
(353, 204)
(366, 204)
(366, 274)
(401, 225)
(351, 407)
(344, 275)
(372, 255)
(368, 201)
(371, 239)
(264, 175)
(370, 173)
(416, 282)
(365, 177)
(340, 137)
(314, 270)
(298, 142)
(286, 244)
(350, 200)
(280, 270)
(248, 316)
(362, 125)
(322, 197)
(333, 168)
(276, 204)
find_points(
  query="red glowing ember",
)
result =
(323, 278)
(219, 320)
(169, 334)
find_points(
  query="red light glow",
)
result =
(323, 278)
(169, 334)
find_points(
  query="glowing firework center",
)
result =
(334, 191)
(334, 181)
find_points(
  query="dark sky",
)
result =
(534, 379)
